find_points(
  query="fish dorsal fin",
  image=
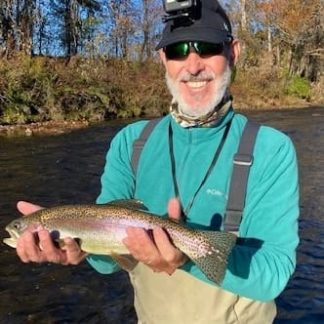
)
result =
(129, 203)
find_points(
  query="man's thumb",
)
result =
(27, 208)
(174, 209)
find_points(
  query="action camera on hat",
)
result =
(195, 20)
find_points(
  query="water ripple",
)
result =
(66, 169)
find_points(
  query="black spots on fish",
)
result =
(213, 254)
(133, 204)
(68, 212)
(214, 267)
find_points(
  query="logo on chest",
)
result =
(215, 193)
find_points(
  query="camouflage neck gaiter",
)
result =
(207, 120)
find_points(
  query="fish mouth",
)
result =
(12, 240)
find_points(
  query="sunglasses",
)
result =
(181, 50)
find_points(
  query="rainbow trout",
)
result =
(100, 229)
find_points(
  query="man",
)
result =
(179, 160)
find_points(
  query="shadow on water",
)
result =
(52, 170)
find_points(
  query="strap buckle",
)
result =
(243, 159)
(233, 220)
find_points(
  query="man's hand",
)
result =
(36, 244)
(159, 254)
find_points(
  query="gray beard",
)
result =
(220, 89)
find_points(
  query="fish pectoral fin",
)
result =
(125, 261)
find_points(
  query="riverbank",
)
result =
(42, 128)
(33, 90)
(62, 127)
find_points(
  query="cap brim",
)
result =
(202, 34)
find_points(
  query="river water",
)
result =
(52, 170)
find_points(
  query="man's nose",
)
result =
(194, 63)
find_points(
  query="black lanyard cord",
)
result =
(210, 169)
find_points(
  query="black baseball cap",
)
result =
(212, 26)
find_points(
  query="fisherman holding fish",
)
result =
(184, 264)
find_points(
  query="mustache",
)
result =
(201, 76)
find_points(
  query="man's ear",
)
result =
(235, 52)
(163, 57)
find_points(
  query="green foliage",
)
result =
(264, 87)
(41, 89)
(26, 89)
(299, 87)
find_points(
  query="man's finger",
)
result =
(164, 245)
(46, 244)
(74, 255)
(140, 245)
(32, 253)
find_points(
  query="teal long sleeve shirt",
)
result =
(262, 262)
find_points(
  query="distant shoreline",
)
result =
(62, 127)
(42, 128)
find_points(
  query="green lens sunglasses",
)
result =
(181, 50)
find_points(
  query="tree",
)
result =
(296, 27)
(16, 22)
(71, 17)
(7, 24)
(149, 25)
(122, 24)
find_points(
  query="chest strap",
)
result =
(138, 144)
(242, 162)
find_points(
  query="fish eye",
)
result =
(17, 225)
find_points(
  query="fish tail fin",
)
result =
(213, 261)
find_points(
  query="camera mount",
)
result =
(179, 9)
